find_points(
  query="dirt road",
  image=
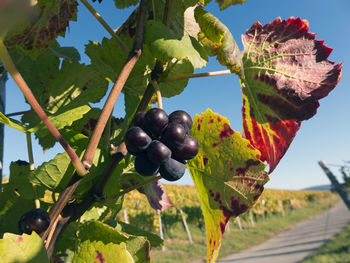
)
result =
(295, 244)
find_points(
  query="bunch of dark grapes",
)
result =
(161, 143)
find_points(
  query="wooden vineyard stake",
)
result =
(337, 187)
(186, 226)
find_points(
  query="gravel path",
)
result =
(295, 244)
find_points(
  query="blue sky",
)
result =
(324, 137)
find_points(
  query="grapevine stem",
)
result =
(31, 167)
(105, 25)
(198, 75)
(16, 76)
(118, 86)
(158, 94)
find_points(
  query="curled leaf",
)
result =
(286, 73)
(218, 40)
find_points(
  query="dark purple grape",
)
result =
(37, 220)
(183, 118)
(144, 166)
(138, 118)
(155, 121)
(158, 152)
(136, 140)
(172, 170)
(174, 134)
(187, 150)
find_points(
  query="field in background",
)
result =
(275, 210)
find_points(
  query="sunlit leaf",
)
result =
(22, 249)
(95, 231)
(287, 72)
(225, 47)
(50, 173)
(227, 173)
(96, 251)
(165, 45)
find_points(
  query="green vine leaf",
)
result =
(287, 73)
(137, 247)
(50, 174)
(107, 59)
(60, 120)
(50, 20)
(154, 239)
(222, 42)
(19, 182)
(173, 88)
(227, 173)
(165, 46)
(64, 92)
(70, 53)
(22, 249)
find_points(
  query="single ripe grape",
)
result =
(158, 152)
(183, 118)
(136, 140)
(37, 220)
(174, 134)
(155, 121)
(144, 166)
(187, 150)
(138, 118)
(172, 170)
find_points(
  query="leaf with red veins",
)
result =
(227, 173)
(51, 20)
(286, 73)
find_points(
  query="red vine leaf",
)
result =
(286, 73)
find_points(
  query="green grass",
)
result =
(336, 250)
(179, 249)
